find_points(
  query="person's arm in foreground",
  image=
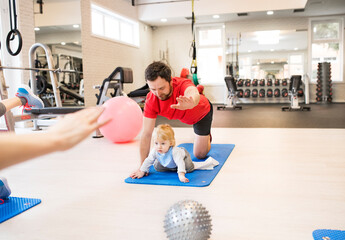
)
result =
(190, 99)
(67, 133)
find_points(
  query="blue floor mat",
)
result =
(15, 205)
(327, 234)
(197, 178)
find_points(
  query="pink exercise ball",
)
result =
(126, 119)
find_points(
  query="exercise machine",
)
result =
(294, 88)
(114, 81)
(232, 95)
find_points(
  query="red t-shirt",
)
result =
(154, 106)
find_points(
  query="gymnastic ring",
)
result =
(14, 32)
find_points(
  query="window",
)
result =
(115, 27)
(327, 46)
(210, 54)
(296, 65)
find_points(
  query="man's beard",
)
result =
(164, 97)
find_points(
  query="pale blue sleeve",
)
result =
(148, 162)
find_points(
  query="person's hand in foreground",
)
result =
(73, 128)
(68, 132)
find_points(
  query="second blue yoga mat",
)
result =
(197, 178)
(16, 205)
(328, 234)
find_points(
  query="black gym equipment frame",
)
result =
(295, 84)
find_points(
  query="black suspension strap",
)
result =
(194, 66)
(14, 31)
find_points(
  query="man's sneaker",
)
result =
(32, 101)
(5, 190)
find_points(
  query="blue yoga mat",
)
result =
(15, 205)
(197, 178)
(323, 234)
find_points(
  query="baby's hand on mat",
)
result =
(138, 174)
(182, 177)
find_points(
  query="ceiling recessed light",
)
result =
(215, 16)
(75, 25)
(37, 29)
(164, 20)
(249, 50)
(272, 62)
(295, 49)
(270, 12)
(272, 50)
(63, 43)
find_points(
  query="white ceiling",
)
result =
(177, 12)
(249, 42)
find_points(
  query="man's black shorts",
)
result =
(203, 127)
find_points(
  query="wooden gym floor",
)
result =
(278, 183)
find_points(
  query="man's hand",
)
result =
(138, 174)
(184, 103)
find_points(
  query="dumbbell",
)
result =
(269, 82)
(255, 82)
(285, 92)
(247, 83)
(262, 82)
(284, 82)
(255, 93)
(240, 83)
(318, 99)
(247, 93)
(277, 92)
(319, 94)
(269, 92)
(240, 93)
(329, 99)
(277, 82)
(300, 92)
(262, 93)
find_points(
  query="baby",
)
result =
(166, 157)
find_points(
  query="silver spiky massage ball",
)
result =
(187, 220)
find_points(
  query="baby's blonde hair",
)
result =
(165, 132)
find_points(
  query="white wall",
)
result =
(101, 56)
(63, 12)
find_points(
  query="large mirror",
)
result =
(63, 37)
(275, 54)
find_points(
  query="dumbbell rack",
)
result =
(266, 85)
(324, 83)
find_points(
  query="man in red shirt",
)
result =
(175, 98)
